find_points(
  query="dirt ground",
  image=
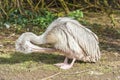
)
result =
(38, 66)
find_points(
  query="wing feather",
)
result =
(87, 40)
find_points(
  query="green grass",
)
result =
(42, 65)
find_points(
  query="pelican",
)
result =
(67, 36)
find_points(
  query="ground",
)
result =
(38, 66)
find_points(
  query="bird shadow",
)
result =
(37, 57)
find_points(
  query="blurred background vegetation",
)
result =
(33, 14)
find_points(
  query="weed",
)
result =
(77, 14)
(41, 19)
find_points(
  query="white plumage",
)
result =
(67, 36)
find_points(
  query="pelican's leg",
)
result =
(68, 66)
(64, 63)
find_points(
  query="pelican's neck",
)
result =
(38, 39)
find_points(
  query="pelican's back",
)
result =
(75, 40)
